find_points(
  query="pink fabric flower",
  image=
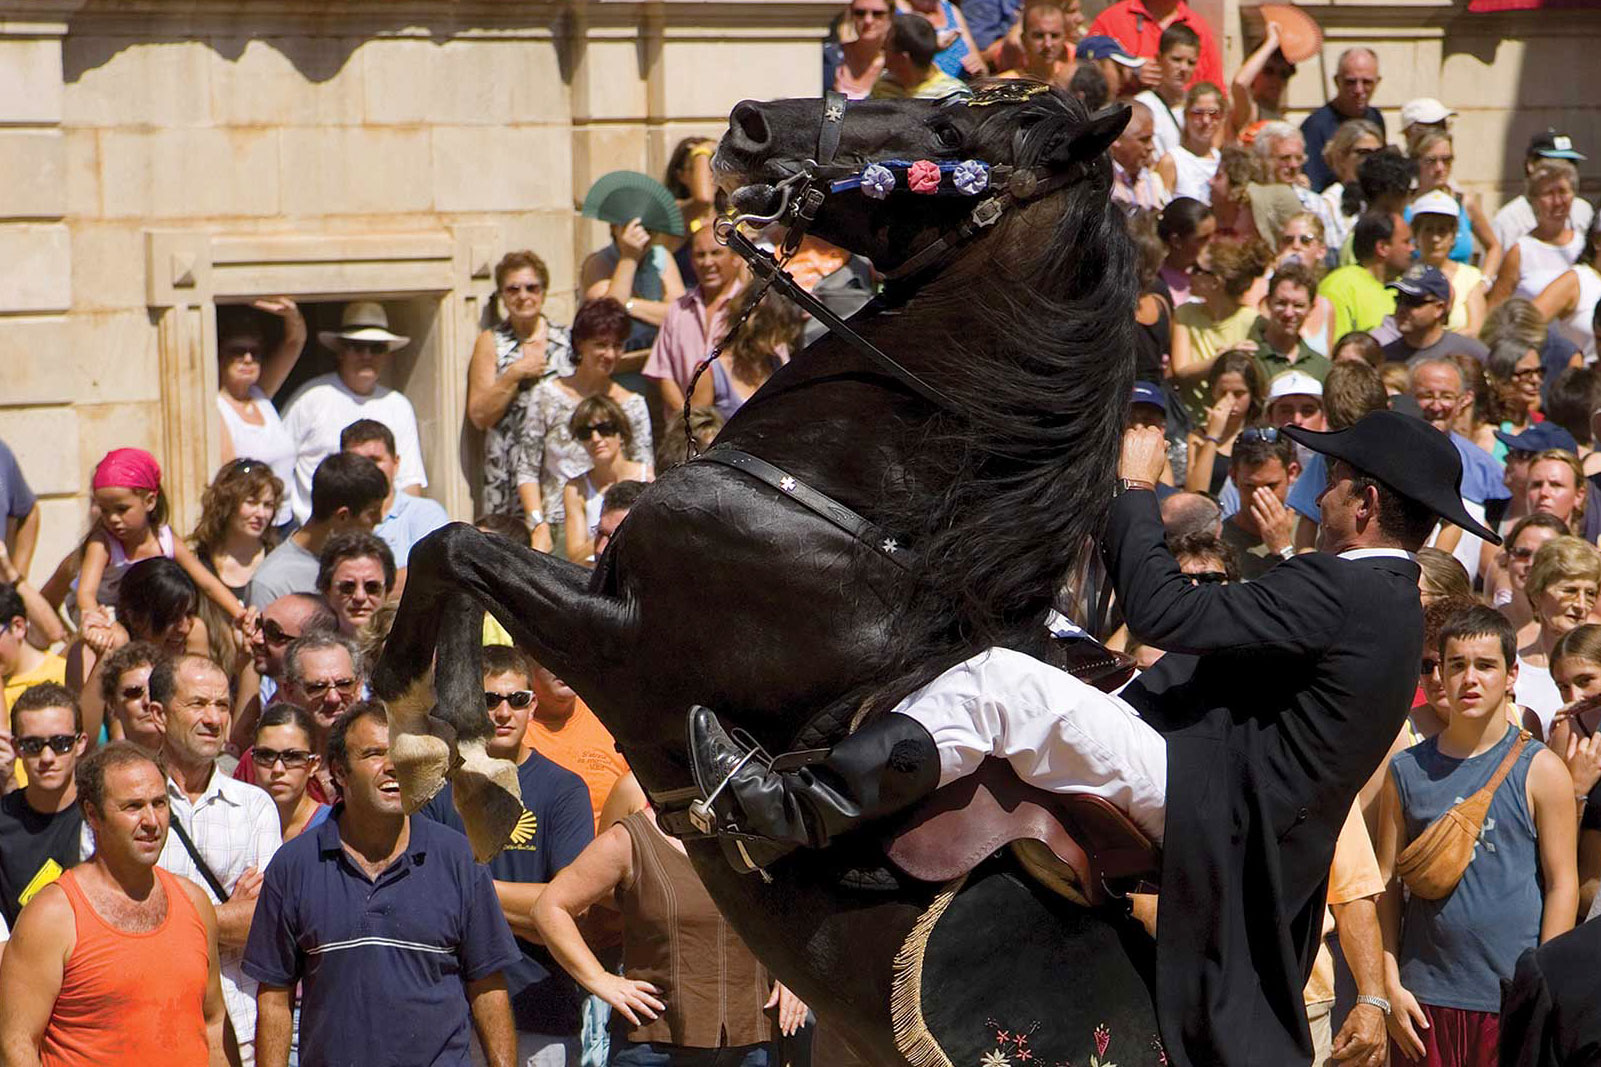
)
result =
(923, 177)
(1103, 1038)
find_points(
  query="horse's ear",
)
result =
(1088, 140)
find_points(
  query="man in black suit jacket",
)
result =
(1275, 704)
(1551, 1010)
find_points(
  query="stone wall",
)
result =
(159, 158)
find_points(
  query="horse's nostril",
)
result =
(751, 124)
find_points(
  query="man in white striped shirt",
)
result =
(232, 826)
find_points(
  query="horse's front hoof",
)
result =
(422, 763)
(488, 797)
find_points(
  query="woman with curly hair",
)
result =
(1237, 170)
(233, 536)
(548, 457)
(757, 349)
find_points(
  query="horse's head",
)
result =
(1019, 126)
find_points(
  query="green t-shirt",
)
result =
(1360, 302)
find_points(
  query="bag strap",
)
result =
(1502, 771)
(194, 853)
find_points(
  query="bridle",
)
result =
(802, 196)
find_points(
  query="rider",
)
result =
(1277, 700)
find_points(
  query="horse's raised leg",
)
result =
(430, 675)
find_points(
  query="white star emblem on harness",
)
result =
(787, 484)
(890, 546)
(834, 113)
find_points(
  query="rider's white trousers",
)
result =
(1057, 732)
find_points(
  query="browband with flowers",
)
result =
(968, 177)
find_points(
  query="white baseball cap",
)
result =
(1294, 383)
(1436, 202)
(1424, 109)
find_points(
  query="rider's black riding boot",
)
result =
(884, 767)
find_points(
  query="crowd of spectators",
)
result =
(189, 749)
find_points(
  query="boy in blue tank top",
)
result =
(1445, 959)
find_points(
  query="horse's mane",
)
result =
(1035, 343)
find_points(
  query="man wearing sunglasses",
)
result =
(356, 575)
(555, 826)
(1262, 533)
(280, 622)
(1422, 304)
(322, 676)
(330, 402)
(40, 824)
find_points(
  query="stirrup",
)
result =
(701, 813)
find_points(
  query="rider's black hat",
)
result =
(1406, 454)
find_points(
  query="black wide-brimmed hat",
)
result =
(1406, 454)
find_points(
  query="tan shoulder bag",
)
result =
(1435, 861)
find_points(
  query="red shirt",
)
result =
(1140, 33)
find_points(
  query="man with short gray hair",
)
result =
(224, 831)
(1441, 394)
(323, 676)
(1356, 78)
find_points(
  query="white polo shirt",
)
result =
(322, 408)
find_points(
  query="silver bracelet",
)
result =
(1377, 1002)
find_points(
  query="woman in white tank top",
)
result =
(249, 376)
(1537, 259)
(1569, 302)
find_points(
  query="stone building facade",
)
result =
(164, 158)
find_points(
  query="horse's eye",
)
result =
(949, 136)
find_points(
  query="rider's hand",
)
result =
(636, 1001)
(1406, 1019)
(1362, 1041)
(1144, 454)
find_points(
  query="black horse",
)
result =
(983, 491)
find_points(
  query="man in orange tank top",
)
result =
(115, 964)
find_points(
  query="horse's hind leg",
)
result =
(453, 575)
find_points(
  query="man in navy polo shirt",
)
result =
(556, 823)
(391, 927)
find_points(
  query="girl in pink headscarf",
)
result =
(132, 527)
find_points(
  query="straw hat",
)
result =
(363, 320)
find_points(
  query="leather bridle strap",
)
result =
(833, 125)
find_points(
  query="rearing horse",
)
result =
(980, 474)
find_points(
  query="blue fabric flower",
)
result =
(877, 181)
(971, 176)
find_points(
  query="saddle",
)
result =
(1075, 844)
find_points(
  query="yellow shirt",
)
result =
(1353, 875)
(52, 668)
(938, 84)
(1207, 338)
(1463, 283)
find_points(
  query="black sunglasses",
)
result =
(605, 429)
(519, 699)
(373, 588)
(294, 758)
(1208, 578)
(60, 744)
(275, 634)
(366, 346)
(133, 692)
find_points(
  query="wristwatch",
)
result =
(1377, 1002)
(1125, 485)
(1287, 552)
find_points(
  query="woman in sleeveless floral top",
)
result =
(524, 349)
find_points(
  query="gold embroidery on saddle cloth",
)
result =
(912, 1035)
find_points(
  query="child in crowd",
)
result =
(1501, 876)
(132, 527)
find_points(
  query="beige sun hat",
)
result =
(363, 320)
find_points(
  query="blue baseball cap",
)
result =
(1149, 393)
(1103, 47)
(1539, 437)
(1423, 282)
